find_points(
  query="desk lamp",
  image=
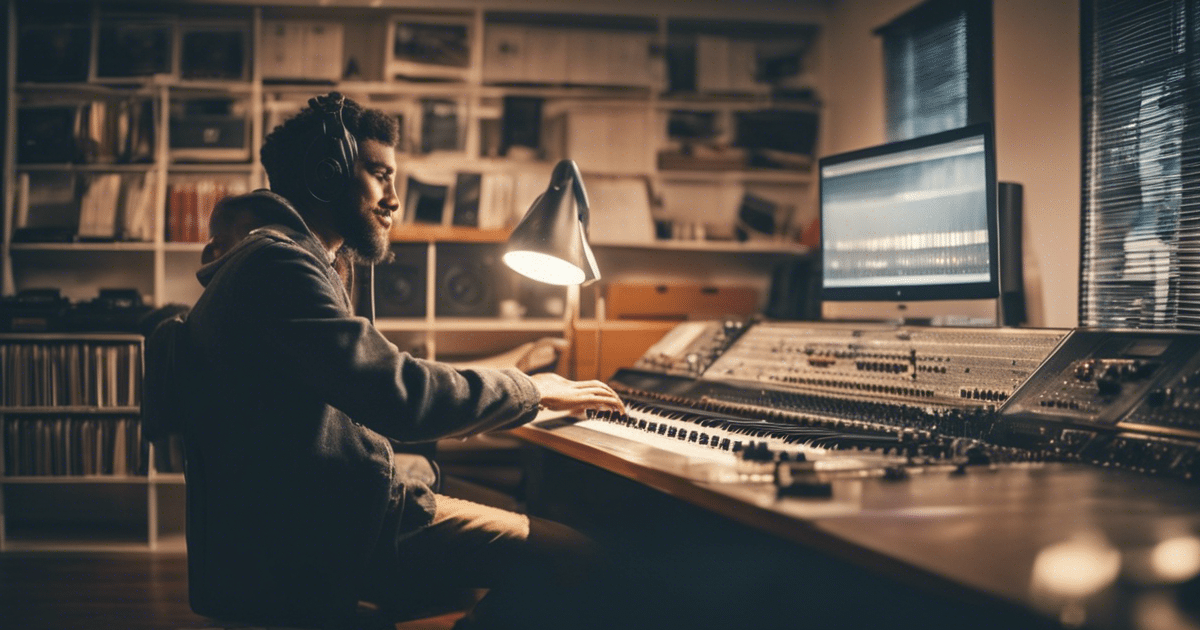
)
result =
(550, 244)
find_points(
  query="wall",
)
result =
(1037, 91)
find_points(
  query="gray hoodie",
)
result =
(289, 404)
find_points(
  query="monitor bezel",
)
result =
(956, 291)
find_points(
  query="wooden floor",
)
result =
(127, 591)
(130, 591)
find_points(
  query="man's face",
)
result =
(372, 200)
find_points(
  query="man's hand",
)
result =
(575, 397)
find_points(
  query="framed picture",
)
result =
(429, 47)
(214, 52)
(54, 52)
(213, 129)
(129, 49)
(443, 125)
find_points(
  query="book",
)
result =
(466, 199)
(98, 207)
(439, 125)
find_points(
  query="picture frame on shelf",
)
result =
(54, 53)
(46, 134)
(209, 129)
(442, 125)
(214, 51)
(425, 201)
(134, 49)
(429, 47)
(47, 207)
(301, 50)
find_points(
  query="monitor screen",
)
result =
(911, 220)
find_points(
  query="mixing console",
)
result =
(953, 367)
(878, 398)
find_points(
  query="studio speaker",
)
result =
(795, 290)
(467, 279)
(1012, 276)
(400, 284)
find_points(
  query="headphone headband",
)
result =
(331, 155)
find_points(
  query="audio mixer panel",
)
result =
(887, 396)
(1099, 377)
(953, 367)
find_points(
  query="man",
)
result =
(298, 506)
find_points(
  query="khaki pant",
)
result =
(537, 572)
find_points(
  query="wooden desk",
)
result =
(1015, 545)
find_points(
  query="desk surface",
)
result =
(1071, 542)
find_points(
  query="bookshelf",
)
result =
(76, 473)
(145, 120)
(157, 135)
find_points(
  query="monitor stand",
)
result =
(984, 313)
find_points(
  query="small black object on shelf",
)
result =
(33, 310)
(113, 310)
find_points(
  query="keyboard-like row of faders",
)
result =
(718, 437)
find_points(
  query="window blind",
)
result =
(937, 67)
(926, 79)
(1140, 231)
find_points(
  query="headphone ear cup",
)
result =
(326, 177)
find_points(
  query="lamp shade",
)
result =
(550, 243)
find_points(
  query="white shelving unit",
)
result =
(140, 512)
(50, 504)
(162, 268)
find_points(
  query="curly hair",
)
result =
(284, 148)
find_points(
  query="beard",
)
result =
(366, 242)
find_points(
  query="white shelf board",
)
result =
(402, 324)
(174, 479)
(495, 324)
(732, 247)
(56, 167)
(171, 543)
(468, 324)
(74, 546)
(122, 88)
(228, 86)
(773, 176)
(34, 480)
(69, 409)
(84, 247)
(235, 168)
(71, 336)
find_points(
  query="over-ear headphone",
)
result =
(329, 159)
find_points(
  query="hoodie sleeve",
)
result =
(349, 365)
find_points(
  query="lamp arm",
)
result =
(581, 198)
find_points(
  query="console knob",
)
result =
(1084, 371)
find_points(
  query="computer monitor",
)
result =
(911, 220)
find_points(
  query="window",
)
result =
(938, 67)
(1140, 264)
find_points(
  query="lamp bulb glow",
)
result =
(544, 268)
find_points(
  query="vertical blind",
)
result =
(1140, 231)
(938, 67)
(926, 76)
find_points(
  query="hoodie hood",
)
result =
(269, 209)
